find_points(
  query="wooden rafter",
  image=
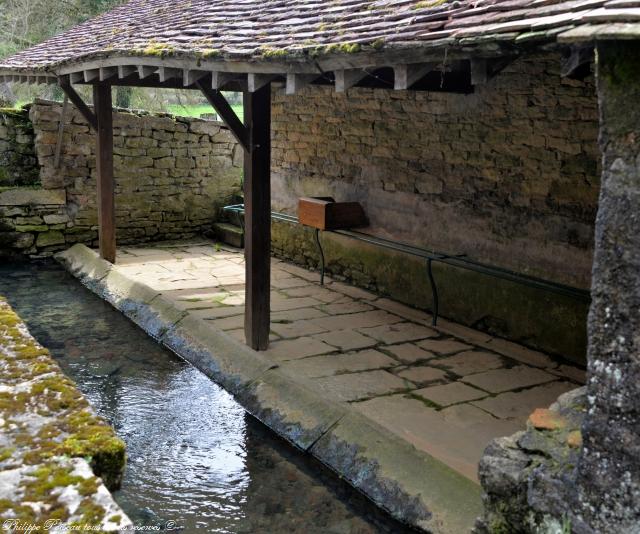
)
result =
(222, 107)
(407, 75)
(65, 85)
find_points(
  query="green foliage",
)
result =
(24, 23)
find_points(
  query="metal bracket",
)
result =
(322, 263)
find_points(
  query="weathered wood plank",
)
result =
(220, 79)
(144, 71)
(104, 163)
(295, 82)
(190, 77)
(91, 75)
(125, 71)
(258, 81)
(107, 73)
(406, 75)
(347, 78)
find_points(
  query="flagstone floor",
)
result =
(448, 390)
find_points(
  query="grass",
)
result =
(200, 109)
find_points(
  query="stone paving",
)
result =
(447, 390)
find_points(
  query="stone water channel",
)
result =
(196, 460)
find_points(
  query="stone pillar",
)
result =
(608, 481)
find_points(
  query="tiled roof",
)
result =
(301, 30)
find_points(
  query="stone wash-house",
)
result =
(507, 131)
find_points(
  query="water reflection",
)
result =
(195, 457)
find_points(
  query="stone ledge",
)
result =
(53, 447)
(25, 196)
(411, 485)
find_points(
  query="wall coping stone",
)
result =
(26, 196)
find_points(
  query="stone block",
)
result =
(448, 394)
(56, 219)
(27, 197)
(47, 239)
(500, 380)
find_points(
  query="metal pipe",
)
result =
(434, 292)
(317, 234)
(459, 261)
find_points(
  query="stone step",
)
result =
(229, 234)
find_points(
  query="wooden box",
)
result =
(327, 214)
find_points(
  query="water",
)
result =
(195, 458)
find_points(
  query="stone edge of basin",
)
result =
(411, 485)
(53, 446)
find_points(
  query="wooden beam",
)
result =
(144, 71)
(258, 81)
(124, 71)
(257, 199)
(222, 107)
(404, 76)
(91, 75)
(483, 69)
(295, 82)
(220, 79)
(77, 77)
(104, 164)
(108, 72)
(347, 78)
(68, 90)
(167, 73)
(190, 77)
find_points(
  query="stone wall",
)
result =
(508, 175)
(172, 175)
(17, 152)
(528, 478)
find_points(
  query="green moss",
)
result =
(8, 319)
(48, 478)
(426, 402)
(345, 48)
(623, 65)
(6, 453)
(209, 53)
(269, 52)
(428, 3)
(92, 513)
(154, 48)
(89, 486)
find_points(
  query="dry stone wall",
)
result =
(508, 175)
(17, 152)
(172, 175)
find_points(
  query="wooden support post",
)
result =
(104, 161)
(257, 198)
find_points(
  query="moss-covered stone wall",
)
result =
(508, 176)
(18, 165)
(53, 446)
